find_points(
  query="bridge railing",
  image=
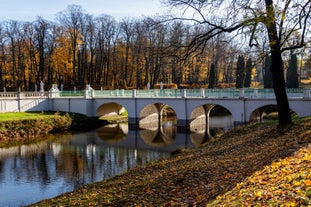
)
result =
(164, 93)
(71, 93)
(113, 93)
(297, 92)
(24, 94)
(222, 93)
(168, 93)
(188, 93)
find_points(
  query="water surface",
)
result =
(31, 173)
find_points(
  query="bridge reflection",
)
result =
(166, 137)
(113, 133)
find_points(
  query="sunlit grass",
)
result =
(12, 116)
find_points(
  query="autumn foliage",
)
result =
(80, 49)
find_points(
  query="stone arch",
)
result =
(201, 113)
(258, 114)
(110, 109)
(151, 115)
(200, 122)
(199, 118)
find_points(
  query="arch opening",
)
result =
(267, 112)
(154, 115)
(158, 125)
(112, 112)
(208, 120)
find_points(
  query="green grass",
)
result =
(15, 116)
(25, 128)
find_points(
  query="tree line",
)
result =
(79, 49)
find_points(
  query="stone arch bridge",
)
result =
(143, 106)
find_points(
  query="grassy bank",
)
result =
(255, 165)
(23, 127)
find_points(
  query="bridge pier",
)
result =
(183, 123)
(133, 121)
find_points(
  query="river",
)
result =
(31, 173)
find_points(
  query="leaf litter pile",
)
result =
(254, 165)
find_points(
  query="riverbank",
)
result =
(253, 165)
(24, 128)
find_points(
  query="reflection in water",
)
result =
(113, 132)
(216, 125)
(31, 173)
(34, 172)
(160, 137)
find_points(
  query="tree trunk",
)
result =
(277, 68)
(277, 71)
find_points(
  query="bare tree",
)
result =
(106, 34)
(127, 33)
(71, 19)
(2, 56)
(15, 34)
(41, 28)
(281, 20)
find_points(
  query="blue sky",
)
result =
(28, 10)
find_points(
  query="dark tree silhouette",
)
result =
(292, 74)
(212, 77)
(267, 78)
(240, 72)
(248, 73)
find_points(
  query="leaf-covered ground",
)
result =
(257, 165)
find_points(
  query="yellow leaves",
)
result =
(288, 178)
(308, 182)
(296, 183)
(286, 182)
(258, 193)
(289, 204)
(275, 164)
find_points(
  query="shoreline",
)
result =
(29, 130)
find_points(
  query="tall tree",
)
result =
(127, 33)
(2, 57)
(41, 28)
(240, 72)
(106, 34)
(15, 35)
(71, 20)
(291, 16)
(267, 76)
(212, 77)
(248, 73)
(175, 40)
(292, 72)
